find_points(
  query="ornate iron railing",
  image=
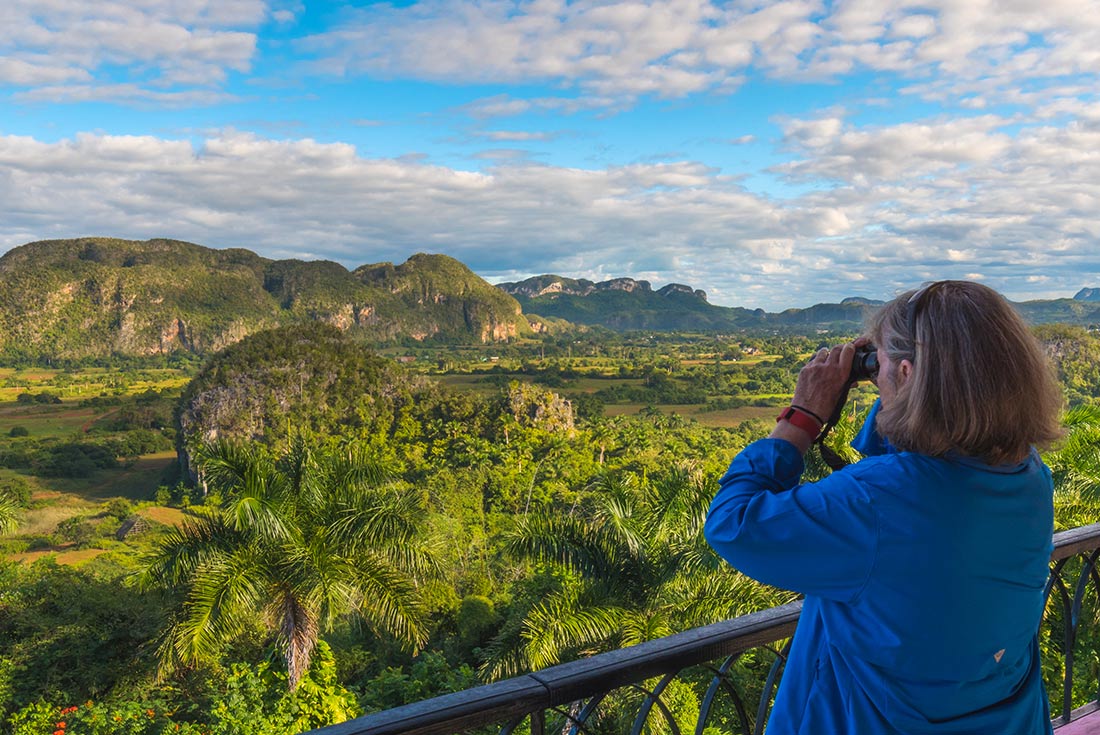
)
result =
(575, 697)
(1073, 571)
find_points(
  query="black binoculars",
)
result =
(864, 364)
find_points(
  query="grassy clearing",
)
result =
(136, 482)
(44, 520)
(57, 421)
(41, 524)
(732, 417)
(728, 418)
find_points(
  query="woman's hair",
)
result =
(980, 383)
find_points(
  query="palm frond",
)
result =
(223, 596)
(639, 626)
(226, 464)
(10, 513)
(389, 601)
(707, 598)
(303, 476)
(681, 501)
(379, 517)
(262, 518)
(185, 549)
(567, 540)
(356, 467)
(1075, 461)
(559, 626)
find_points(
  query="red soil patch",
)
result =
(70, 558)
(167, 516)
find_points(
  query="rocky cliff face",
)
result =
(96, 297)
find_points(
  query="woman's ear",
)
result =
(905, 369)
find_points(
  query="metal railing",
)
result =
(568, 698)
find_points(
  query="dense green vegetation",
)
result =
(350, 533)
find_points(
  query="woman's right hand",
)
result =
(823, 380)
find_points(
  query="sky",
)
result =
(774, 154)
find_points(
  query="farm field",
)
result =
(87, 382)
(83, 450)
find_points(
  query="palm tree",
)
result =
(1075, 466)
(299, 541)
(631, 566)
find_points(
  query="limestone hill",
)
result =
(97, 297)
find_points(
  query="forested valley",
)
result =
(304, 527)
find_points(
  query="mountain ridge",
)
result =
(623, 303)
(96, 297)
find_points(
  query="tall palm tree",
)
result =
(632, 565)
(298, 541)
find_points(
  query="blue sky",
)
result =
(774, 154)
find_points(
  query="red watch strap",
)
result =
(801, 419)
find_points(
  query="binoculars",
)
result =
(864, 364)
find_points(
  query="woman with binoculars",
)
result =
(923, 564)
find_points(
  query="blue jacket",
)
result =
(923, 580)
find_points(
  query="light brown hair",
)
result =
(980, 384)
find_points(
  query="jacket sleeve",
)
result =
(819, 538)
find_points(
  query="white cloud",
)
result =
(124, 93)
(907, 150)
(75, 47)
(619, 51)
(516, 135)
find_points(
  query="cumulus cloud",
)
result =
(615, 52)
(601, 54)
(1009, 210)
(76, 49)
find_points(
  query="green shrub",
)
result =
(119, 508)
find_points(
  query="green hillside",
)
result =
(625, 304)
(437, 296)
(98, 297)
